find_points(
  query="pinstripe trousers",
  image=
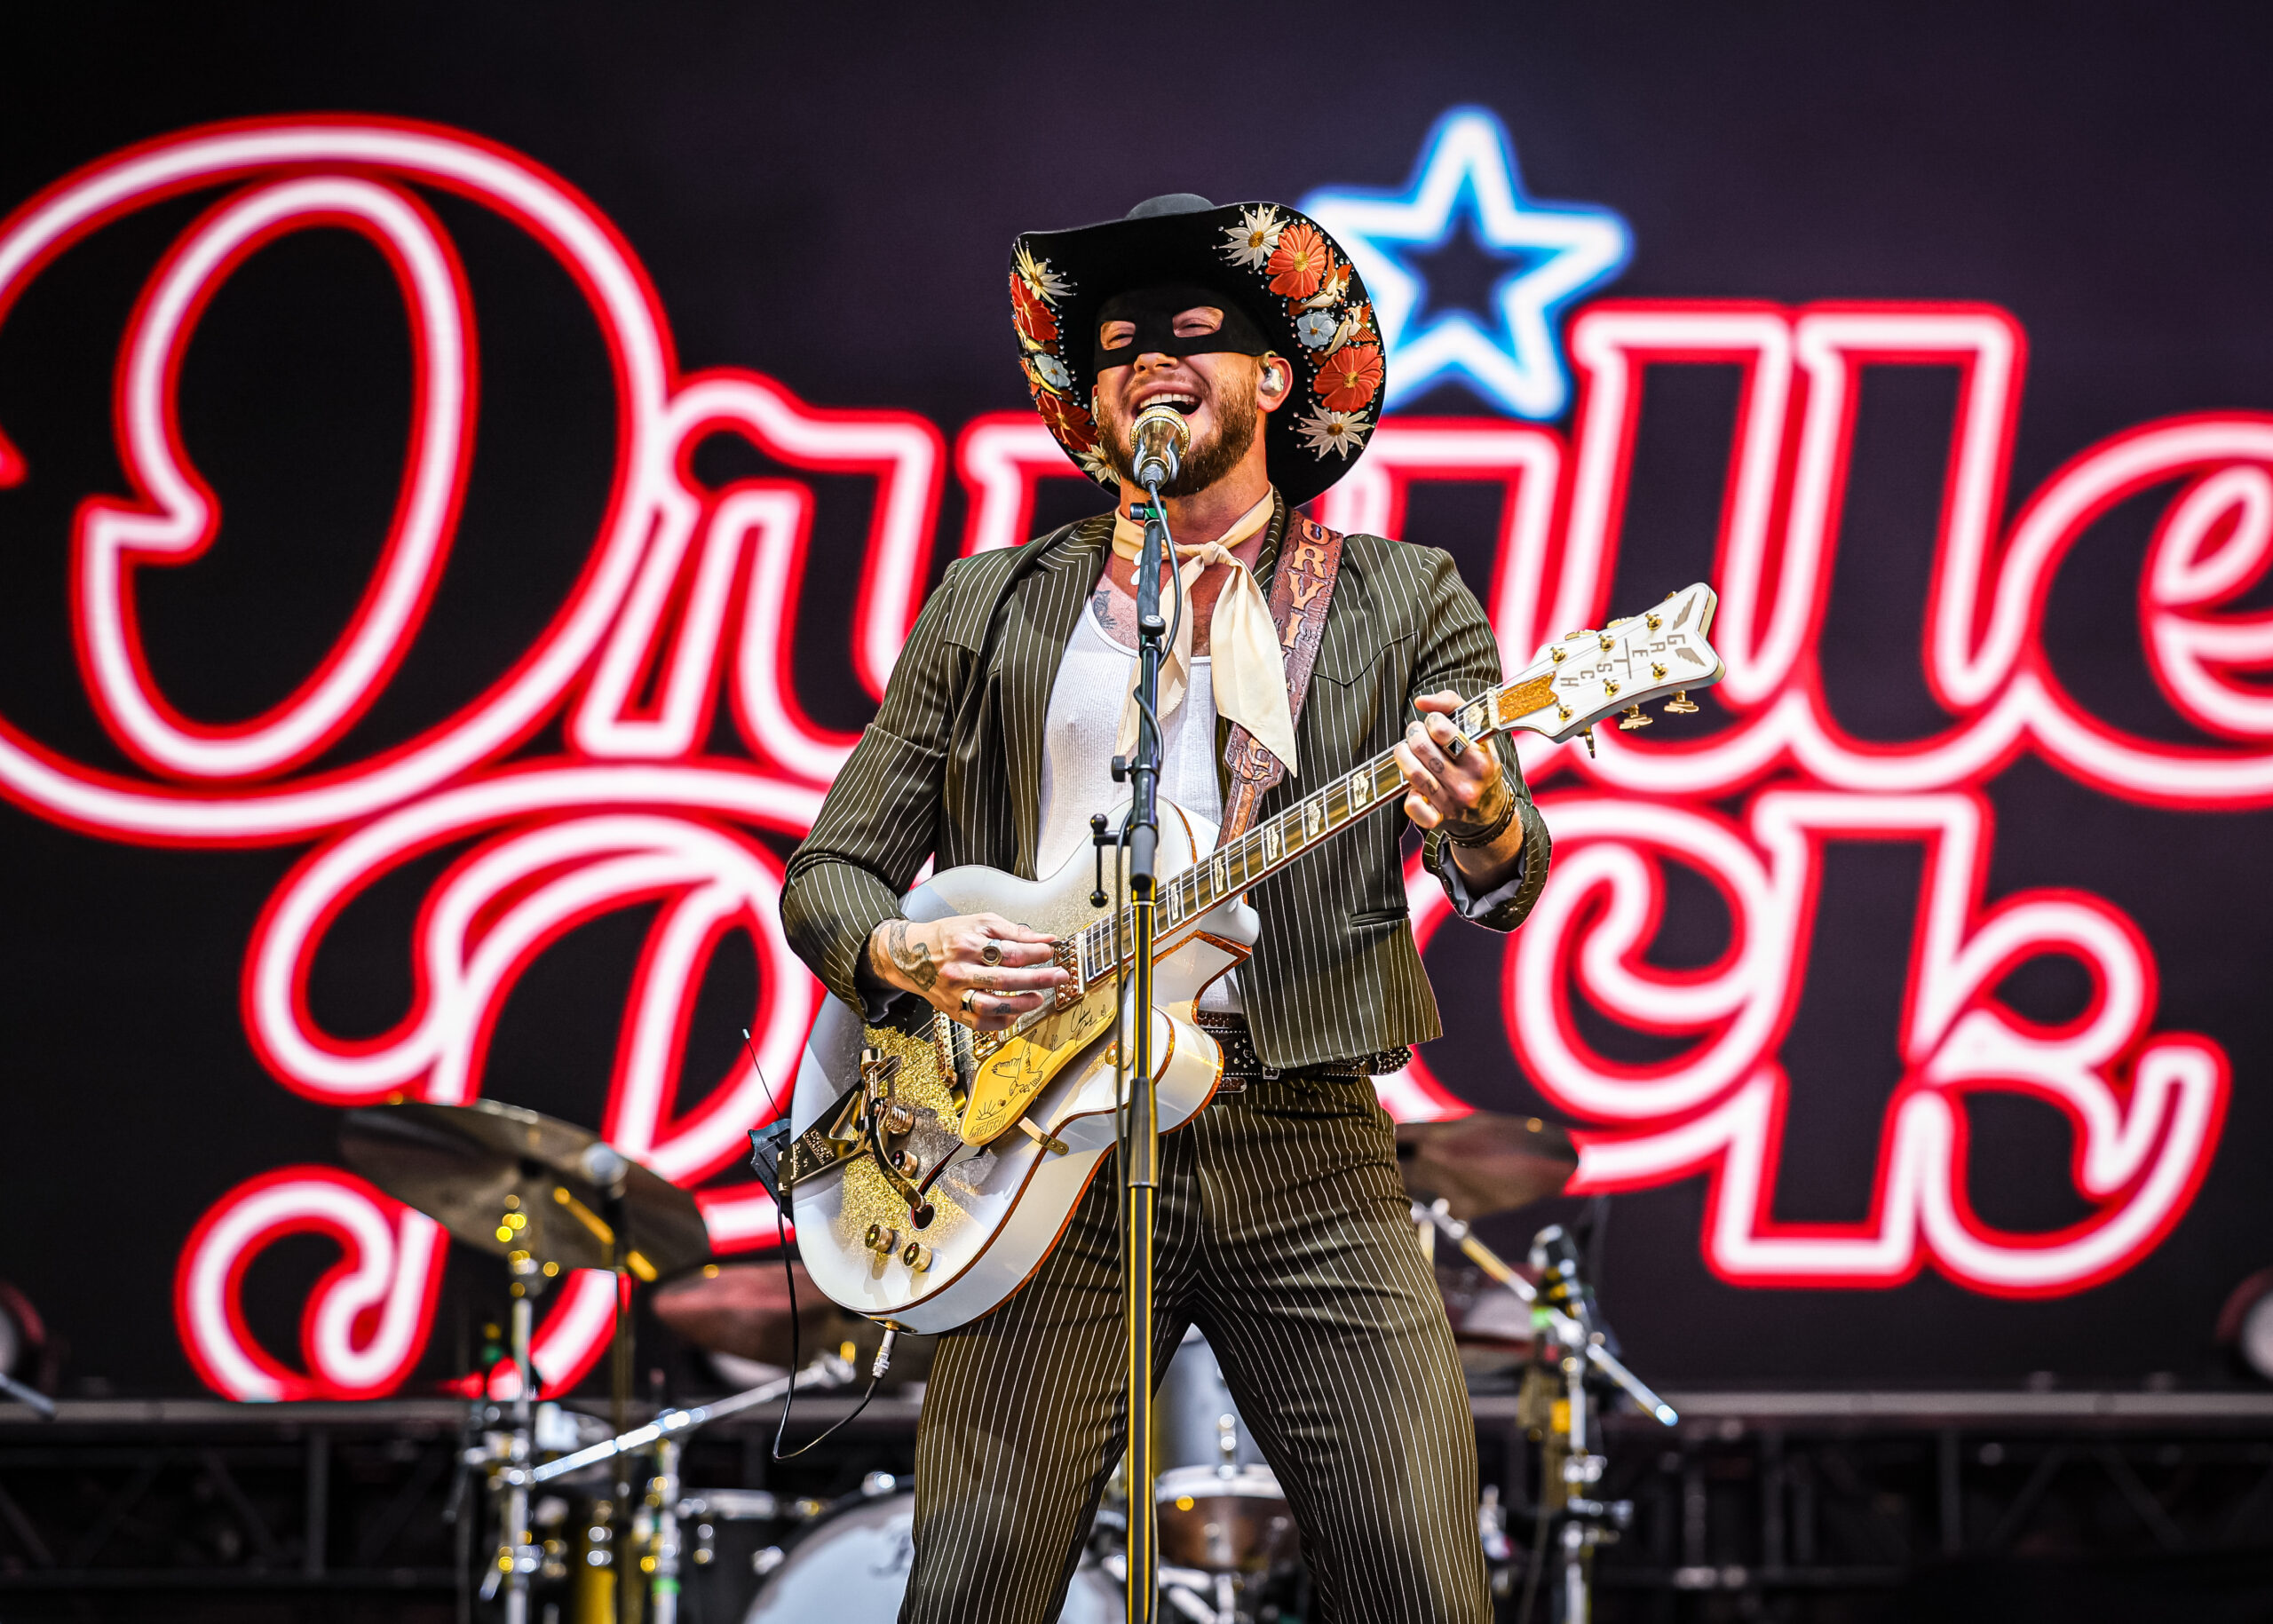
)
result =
(1284, 1233)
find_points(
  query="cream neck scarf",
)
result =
(1250, 673)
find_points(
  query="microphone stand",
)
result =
(1140, 1144)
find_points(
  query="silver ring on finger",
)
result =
(990, 954)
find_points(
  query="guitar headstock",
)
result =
(1578, 679)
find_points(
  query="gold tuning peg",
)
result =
(1681, 704)
(1588, 733)
(1634, 718)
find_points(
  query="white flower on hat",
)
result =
(1047, 284)
(1097, 465)
(1051, 369)
(1339, 431)
(1254, 239)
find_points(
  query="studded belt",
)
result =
(1242, 1065)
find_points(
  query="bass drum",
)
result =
(851, 1567)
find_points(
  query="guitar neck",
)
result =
(1277, 842)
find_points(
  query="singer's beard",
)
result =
(1205, 461)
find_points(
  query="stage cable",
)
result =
(790, 1279)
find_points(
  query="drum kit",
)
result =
(545, 1197)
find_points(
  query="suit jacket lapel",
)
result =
(1041, 620)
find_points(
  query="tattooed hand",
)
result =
(1454, 782)
(943, 961)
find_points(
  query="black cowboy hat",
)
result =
(1290, 278)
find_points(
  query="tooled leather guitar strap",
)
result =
(1300, 590)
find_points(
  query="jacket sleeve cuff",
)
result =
(1506, 905)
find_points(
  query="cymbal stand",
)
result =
(1566, 1340)
(1588, 1342)
(662, 1435)
(508, 1457)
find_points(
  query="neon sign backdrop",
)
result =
(701, 586)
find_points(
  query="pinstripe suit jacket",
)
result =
(951, 768)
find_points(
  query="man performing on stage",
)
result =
(1283, 1227)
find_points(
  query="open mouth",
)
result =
(1186, 405)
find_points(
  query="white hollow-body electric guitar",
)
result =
(930, 1169)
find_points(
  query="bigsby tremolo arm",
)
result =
(885, 1117)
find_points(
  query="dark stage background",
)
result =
(827, 199)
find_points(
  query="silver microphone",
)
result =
(1161, 437)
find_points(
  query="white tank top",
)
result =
(1077, 745)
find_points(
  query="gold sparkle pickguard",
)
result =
(868, 1196)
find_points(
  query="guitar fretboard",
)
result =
(1277, 841)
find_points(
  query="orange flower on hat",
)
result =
(1301, 261)
(1348, 378)
(1067, 420)
(1035, 324)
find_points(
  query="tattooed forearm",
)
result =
(912, 957)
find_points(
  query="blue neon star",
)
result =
(1560, 251)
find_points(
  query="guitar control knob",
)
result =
(882, 1241)
(908, 1166)
(916, 1255)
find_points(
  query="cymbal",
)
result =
(476, 1168)
(1484, 1163)
(743, 1309)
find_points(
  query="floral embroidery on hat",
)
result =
(1047, 284)
(1349, 377)
(1300, 262)
(1283, 269)
(1254, 239)
(1316, 329)
(1030, 313)
(1325, 431)
(1331, 288)
(1100, 467)
(1068, 420)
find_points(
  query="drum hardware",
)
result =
(1199, 1596)
(546, 1196)
(848, 1565)
(1224, 1525)
(662, 1507)
(1570, 1348)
